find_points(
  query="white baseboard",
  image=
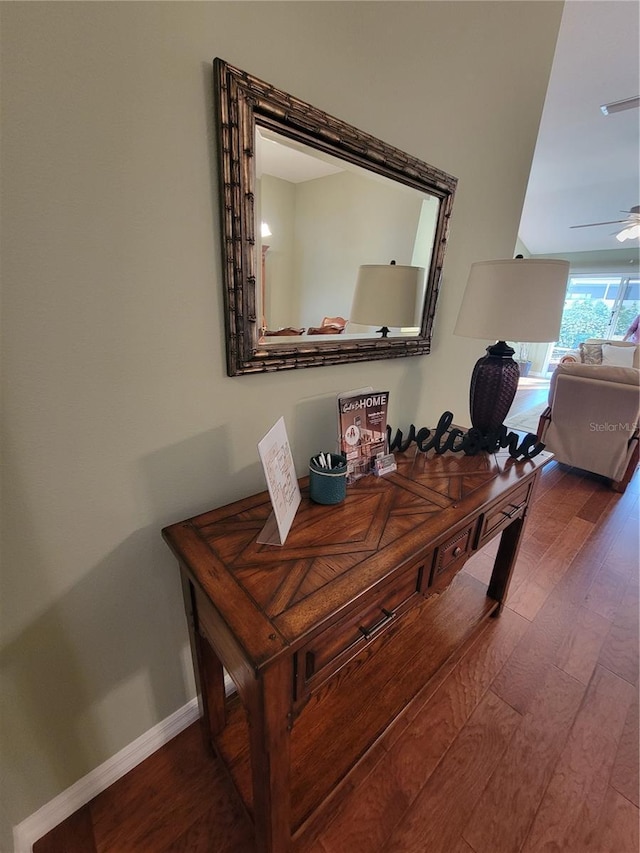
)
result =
(31, 829)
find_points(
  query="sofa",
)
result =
(591, 421)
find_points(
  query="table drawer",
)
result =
(329, 651)
(503, 513)
(450, 557)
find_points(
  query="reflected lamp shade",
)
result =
(386, 295)
(519, 299)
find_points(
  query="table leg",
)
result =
(209, 674)
(211, 677)
(505, 562)
(269, 710)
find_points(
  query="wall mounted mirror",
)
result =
(308, 202)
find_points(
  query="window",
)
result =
(596, 306)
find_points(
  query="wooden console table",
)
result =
(331, 636)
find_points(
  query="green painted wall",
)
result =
(119, 416)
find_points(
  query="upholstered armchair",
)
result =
(592, 418)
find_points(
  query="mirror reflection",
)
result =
(310, 207)
(319, 219)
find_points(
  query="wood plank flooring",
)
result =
(528, 743)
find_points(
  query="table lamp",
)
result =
(518, 300)
(386, 295)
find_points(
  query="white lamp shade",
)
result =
(386, 294)
(519, 299)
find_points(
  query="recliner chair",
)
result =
(592, 418)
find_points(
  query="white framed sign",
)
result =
(282, 483)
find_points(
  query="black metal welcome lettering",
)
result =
(470, 443)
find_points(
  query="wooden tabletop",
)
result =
(273, 597)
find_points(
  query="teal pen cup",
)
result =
(328, 485)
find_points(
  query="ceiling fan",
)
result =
(631, 223)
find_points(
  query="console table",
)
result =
(329, 637)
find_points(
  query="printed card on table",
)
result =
(284, 491)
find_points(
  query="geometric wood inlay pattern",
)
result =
(375, 513)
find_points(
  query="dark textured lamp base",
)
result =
(494, 383)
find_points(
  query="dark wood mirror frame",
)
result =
(242, 101)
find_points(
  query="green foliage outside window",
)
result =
(585, 318)
(626, 316)
(589, 318)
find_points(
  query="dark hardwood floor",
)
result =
(528, 742)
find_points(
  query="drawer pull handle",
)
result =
(457, 551)
(514, 511)
(370, 632)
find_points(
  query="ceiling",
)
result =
(283, 158)
(586, 165)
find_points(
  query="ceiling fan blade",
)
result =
(593, 224)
